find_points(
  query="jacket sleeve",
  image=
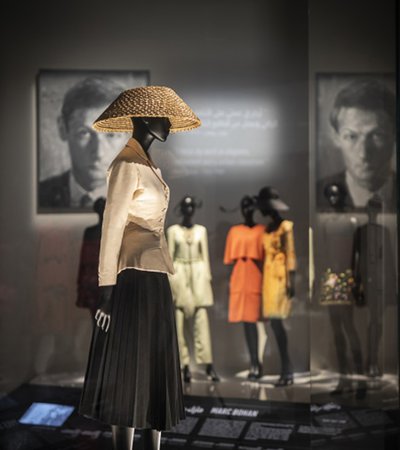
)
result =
(290, 250)
(171, 242)
(228, 249)
(204, 252)
(122, 183)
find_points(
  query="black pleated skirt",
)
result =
(133, 375)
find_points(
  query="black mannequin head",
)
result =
(187, 206)
(98, 207)
(146, 129)
(374, 207)
(247, 208)
(335, 194)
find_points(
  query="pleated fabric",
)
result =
(133, 376)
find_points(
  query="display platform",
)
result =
(212, 422)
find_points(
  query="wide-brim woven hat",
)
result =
(147, 101)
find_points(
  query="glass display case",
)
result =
(282, 221)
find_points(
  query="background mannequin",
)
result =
(244, 249)
(88, 289)
(279, 258)
(191, 286)
(373, 269)
(337, 244)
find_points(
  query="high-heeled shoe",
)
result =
(211, 373)
(255, 371)
(361, 389)
(344, 386)
(285, 379)
(187, 375)
(374, 371)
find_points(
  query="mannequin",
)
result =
(88, 293)
(146, 130)
(244, 250)
(338, 240)
(191, 286)
(278, 240)
(133, 377)
(374, 275)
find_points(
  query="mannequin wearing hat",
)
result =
(191, 286)
(243, 248)
(278, 274)
(133, 376)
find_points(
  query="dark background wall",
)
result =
(259, 56)
(229, 56)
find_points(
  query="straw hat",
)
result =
(148, 101)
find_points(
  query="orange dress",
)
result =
(280, 259)
(246, 278)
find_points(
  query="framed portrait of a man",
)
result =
(356, 136)
(72, 158)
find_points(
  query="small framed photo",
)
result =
(72, 158)
(356, 137)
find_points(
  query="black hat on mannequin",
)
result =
(268, 199)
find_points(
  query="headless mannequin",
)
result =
(286, 376)
(187, 209)
(373, 271)
(342, 321)
(88, 294)
(376, 314)
(146, 130)
(250, 329)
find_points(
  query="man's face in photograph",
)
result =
(366, 139)
(91, 152)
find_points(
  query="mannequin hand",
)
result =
(102, 316)
(290, 292)
(291, 283)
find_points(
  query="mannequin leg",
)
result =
(375, 330)
(354, 340)
(122, 437)
(183, 348)
(355, 346)
(202, 342)
(336, 316)
(251, 334)
(202, 337)
(151, 439)
(281, 339)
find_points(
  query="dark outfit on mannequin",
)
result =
(338, 243)
(133, 376)
(271, 205)
(191, 286)
(373, 269)
(88, 288)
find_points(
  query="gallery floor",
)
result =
(232, 414)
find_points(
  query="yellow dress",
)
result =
(280, 259)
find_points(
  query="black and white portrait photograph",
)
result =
(356, 132)
(73, 158)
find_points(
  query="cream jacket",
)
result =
(133, 222)
(191, 283)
